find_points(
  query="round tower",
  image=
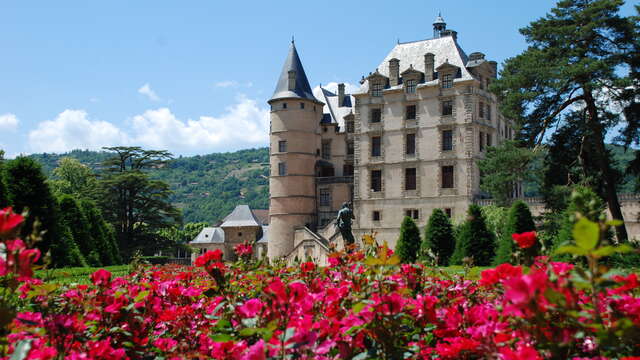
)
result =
(294, 144)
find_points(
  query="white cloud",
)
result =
(226, 84)
(72, 129)
(8, 122)
(243, 124)
(148, 92)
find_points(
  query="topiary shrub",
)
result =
(474, 240)
(438, 238)
(519, 220)
(65, 251)
(409, 241)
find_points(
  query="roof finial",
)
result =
(293, 40)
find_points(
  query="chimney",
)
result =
(494, 66)
(429, 60)
(340, 94)
(292, 80)
(394, 72)
(476, 56)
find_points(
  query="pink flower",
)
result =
(522, 352)
(101, 277)
(525, 240)
(9, 220)
(255, 351)
(215, 255)
(243, 250)
(251, 308)
(165, 344)
(521, 290)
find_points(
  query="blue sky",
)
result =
(193, 77)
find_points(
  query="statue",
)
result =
(345, 215)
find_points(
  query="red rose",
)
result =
(9, 220)
(101, 277)
(525, 240)
(307, 267)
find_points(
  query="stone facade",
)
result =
(407, 142)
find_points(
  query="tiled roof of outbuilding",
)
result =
(209, 235)
(240, 216)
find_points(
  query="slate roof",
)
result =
(332, 112)
(240, 216)
(265, 235)
(209, 235)
(302, 89)
(445, 49)
(262, 215)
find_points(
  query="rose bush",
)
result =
(359, 307)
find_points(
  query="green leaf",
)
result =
(570, 249)
(221, 337)
(249, 332)
(358, 307)
(22, 350)
(586, 234)
(141, 296)
(614, 222)
(604, 251)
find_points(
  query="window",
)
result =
(489, 140)
(447, 211)
(410, 178)
(239, 234)
(447, 177)
(282, 169)
(375, 215)
(350, 147)
(447, 81)
(284, 105)
(376, 180)
(411, 86)
(447, 140)
(376, 89)
(347, 170)
(325, 197)
(488, 112)
(282, 146)
(301, 105)
(375, 146)
(481, 113)
(447, 107)
(410, 112)
(375, 115)
(350, 126)
(481, 82)
(410, 148)
(326, 150)
(481, 142)
(412, 213)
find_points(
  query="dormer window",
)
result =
(447, 81)
(376, 89)
(411, 86)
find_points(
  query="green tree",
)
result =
(504, 166)
(102, 235)
(73, 217)
(65, 251)
(137, 205)
(409, 241)
(585, 202)
(4, 193)
(73, 178)
(438, 238)
(572, 61)
(519, 220)
(28, 189)
(474, 240)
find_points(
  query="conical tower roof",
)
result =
(302, 89)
